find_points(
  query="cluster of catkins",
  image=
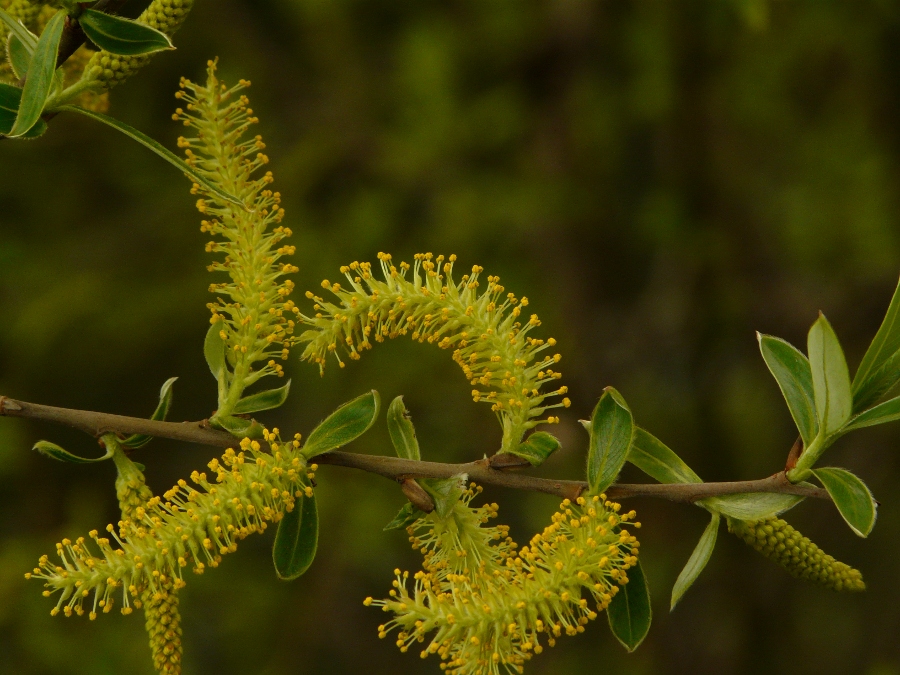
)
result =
(157, 539)
(483, 606)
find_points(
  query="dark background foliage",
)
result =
(660, 179)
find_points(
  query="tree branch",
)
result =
(96, 424)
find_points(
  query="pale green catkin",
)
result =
(162, 618)
(111, 69)
(777, 540)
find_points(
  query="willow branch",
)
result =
(96, 424)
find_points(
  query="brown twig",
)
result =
(397, 469)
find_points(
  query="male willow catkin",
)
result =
(255, 318)
(190, 527)
(489, 605)
(162, 618)
(486, 330)
(777, 540)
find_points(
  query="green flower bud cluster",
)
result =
(489, 339)
(489, 607)
(255, 323)
(23, 10)
(26, 12)
(193, 527)
(111, 69)
(162, 618)
(777, 540)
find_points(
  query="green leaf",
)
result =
(18, 55)
(612, 430)
(238, 426)
(751, 505)
(537, 447)
(52, 450)
(402, 431)
(655, 459)
(831, 379)
(852, 498)
(39, 80)
(10, 98)
(792, 371)
(162, 410)
(122, 36)
(345, 424)
(406, 517)
(296, 539)
(214, 351)
(629, 612)
(149, 143)
(444, 491)
(880, 414)
(264, 400)
(17, 28)
(697, 561)
(879, 370)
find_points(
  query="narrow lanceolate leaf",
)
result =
(52, 450)
(852, 498)
(881, 413)
(17, 28)
(264, 400)
(345, 424)
(612, 429)
(152, 145)
(40, 76)
(296, 539)
(658, 461)
(751, 505)
(873, 379)
(122, 36)
(831, 379)
(402, 431)
(697, 561)
(629, 612)
(10, 97)
(792, 372)
(18, 55)
(537, 447)
(162, 410)
(404, 518)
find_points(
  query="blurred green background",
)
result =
(660, 179)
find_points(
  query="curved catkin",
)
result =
(190, 527)
(111, 69)
(488, 607)
(162, 618)
(487, 330)
(777, 540)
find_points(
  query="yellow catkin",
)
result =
(486, 328)
(162, 618)
(255, 316)
(111, 69)
(777, 540)
(485, 608)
